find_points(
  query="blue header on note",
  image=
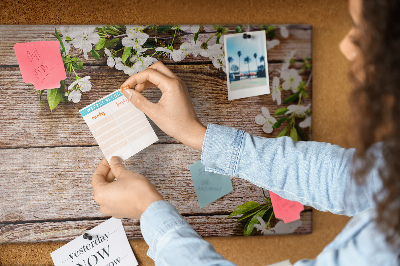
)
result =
(100, 103)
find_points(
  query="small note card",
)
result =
(209, 186)
(118, 126)
(284, 209)
(109, 246)
(41, 63)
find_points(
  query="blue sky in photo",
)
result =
(248, 47)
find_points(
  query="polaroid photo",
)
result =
(247, 67)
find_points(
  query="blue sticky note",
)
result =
(209, 186)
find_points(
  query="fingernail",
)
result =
(125, 88)
(115, 160)
(128, 93)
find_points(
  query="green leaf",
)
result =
(54, 96)
(300, 133)
(164, 28)
(279, 122)
(245, 207)
(293, 134)
(40, 97)
(196, 36)
(281, 111)
(248, 229)
(292, 97)
(126, 54)
(59, 39)
(304, 94)
(95, 54)
(251, 213)
(283, 133)
(111, 43)
(238, 29)
(100, 44)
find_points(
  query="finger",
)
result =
(100, 174)
(160, 67)
(110, 177)
(117, 167)
(160, 80)
(142, 86)
(140, 102)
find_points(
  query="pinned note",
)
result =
(118, 126)
(41, 63)
(107, 245)
(284, 209)
(209, 186)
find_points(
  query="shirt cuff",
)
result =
(222, 148)
(158, 219)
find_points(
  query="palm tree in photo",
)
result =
(230, 60)
(255, 57)
(239, 54)
(247, 60)
(262, 59)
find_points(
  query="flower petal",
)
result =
(267, 128)
(265, 112)
(284, 32)
(260, 120)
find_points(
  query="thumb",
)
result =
(117, 167)
(138, 100)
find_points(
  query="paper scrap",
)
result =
(284, 209)
(41, 63)
(209, 186)
(108, 246)
(118, 126)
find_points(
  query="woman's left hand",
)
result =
(128, 196)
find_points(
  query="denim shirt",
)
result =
(312, 173)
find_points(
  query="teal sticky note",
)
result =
(209, 186)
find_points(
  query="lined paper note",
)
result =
(118, 126)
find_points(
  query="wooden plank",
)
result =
(299, 39)
(25, 123)
(216, 225)
(55, 183)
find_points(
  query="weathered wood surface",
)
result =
(65, 126)
(45, 184)
(215, 225)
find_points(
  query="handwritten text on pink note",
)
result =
(284, 209)
(41, 63)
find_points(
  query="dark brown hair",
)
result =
(376, 106)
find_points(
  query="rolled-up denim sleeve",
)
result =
(172, 241)
(313, 173)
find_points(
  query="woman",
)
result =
(360, 182)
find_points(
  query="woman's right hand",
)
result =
(173, 113)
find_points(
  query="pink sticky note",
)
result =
(41, 64)
(284, 209)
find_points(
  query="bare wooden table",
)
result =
(48, 157)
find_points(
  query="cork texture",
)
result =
(331, 112)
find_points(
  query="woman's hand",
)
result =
(128, 196)
(173, 113)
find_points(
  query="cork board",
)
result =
(329, 21)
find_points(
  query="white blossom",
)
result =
(272, 44)
(298, 110)
(284, 32)
(135, 38)
(110, 60)
(190, 28)
(266, 120)
(74, 96)
(279, 228)
(291, 79)
(83, 38)
(287, 60)
(306, 122)
(216, 54)
(276, 92)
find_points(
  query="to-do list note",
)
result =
(118, 126)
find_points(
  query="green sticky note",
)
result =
(209, 186)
